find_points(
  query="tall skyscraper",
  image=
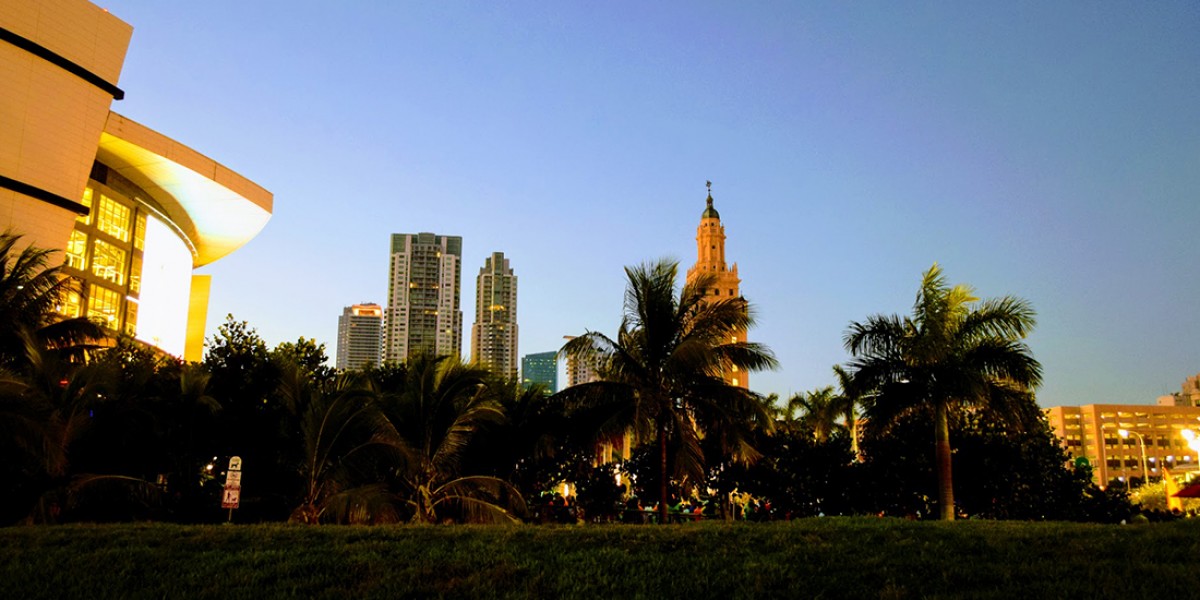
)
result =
(423, 312)
(581, 370)
(710, 259)
(540, 368)
(494, 334)
(360, 333)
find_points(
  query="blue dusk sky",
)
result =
(1048, 150)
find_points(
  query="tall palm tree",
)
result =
(818, 411)
(31, 293)
(438, 411)
(661, 378)
(955, 351)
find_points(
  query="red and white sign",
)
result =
(231, 497)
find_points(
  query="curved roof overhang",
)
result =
(216, 209)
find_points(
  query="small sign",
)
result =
(235, 463)
(234, 479)
(231, 497)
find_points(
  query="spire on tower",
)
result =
(709, 211)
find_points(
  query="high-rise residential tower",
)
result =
(494, 334)
(710, 260)
(423, 312)
(540, 368)
(580, 370)
(359, 337)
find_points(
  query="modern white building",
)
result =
(494, 334)
(423, 312)
(359, 337)
(133, 211)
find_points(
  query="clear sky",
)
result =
(1049, 150)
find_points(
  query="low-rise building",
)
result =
(1112, 438)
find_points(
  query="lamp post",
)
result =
(1125, 433)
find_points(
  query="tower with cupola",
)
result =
(724, 282)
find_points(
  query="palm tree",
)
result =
(344, 436)
(954, 352)
(438, 411)
(661, 378)
(852, 400)
(818, 411)
(48, 412)
(31, 294)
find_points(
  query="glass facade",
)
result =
(77, 250)
(135, 269)
(112, 218)
(108, 262)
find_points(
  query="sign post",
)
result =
(233, 486)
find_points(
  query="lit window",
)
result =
(131, 310)
(104, 305)
(735, 381)
(87, 201)
(135, 275)
(77, 250)
(108, 262)
(139, 231)
(72, 305)
(113, 218)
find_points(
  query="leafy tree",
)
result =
(661, 376)
(253, 423)
(308, 355)
(1002, 473)
(954, 352)
(797, 475)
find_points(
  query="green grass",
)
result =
(814, 558)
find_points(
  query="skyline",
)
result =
(1046, 152)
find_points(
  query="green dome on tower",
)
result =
(709, 211)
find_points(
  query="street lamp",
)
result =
(1125, 433)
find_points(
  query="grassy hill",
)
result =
(814, 558)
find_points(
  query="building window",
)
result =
(77, 250)
(112, 218)
(108, 262)
(131, 311)
(87, 201)
(72, 305)
(139, 231)
(135, 275)
(104, 305)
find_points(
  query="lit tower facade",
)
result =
(710, 260)
(423, 312)
(360, 331)
(494, 334)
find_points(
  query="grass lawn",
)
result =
(813, 558)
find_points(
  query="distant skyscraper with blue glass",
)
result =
(540, 368)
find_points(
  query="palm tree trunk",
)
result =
(941, 438)
(662, 486)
